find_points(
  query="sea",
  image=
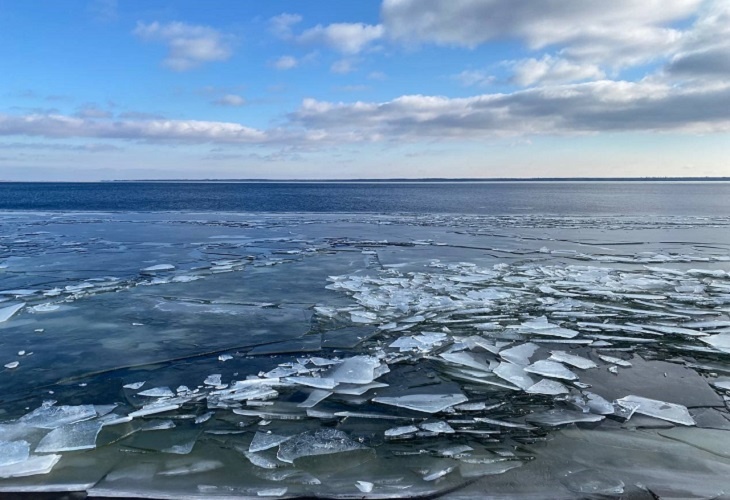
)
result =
(365, 340)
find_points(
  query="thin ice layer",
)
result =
(551, 369)
(37, 464)
(51, 417)
(12, 452)
(670, 412)
(320, 442)
(77, 436)
(427, 403)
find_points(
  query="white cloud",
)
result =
(347, 38)
(189, 46)
(281, 25)
(619, 32)
(550, 69)
(472, 77)
(232, 100)
(286, 62)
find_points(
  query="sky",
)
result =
(336, 89)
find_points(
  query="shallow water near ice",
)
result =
(337, 355)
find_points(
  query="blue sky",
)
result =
(124, 89)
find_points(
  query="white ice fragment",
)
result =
(721, 342)
(615, 361)
(154, 408)
(548, 388)
(359, 370)
(260, 460)
(722, 383)
(7, 312)
(158, 425)
(670, 412)
(515, 375)
(357, 389)
(272, 492)
(51, 417)
(321, 442)
(315, 397)
(551, 369)
(519, 354)
(401, 431)
(204, 417)
(364, 486)
(438, 426)
(572, 360)
(159, 267)
(134, 386)
(12, 452)
(214, 380)
(76, 436)
(562, 417)
(157, 392)
(224, 357)
(427, 403)
(11, 365)
(265, 440)
(38, 464)
(435, 474)
(470, 359)
(316, 382)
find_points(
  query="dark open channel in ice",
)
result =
(350, 356)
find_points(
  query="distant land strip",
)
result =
(446, 179)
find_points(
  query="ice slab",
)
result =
(320, 442)
(514, 374)
(548, 388)
(51, 417)
(71, 437)
(670, 412)
(265, 440)
(572, 360)
(12, 452)
(7, 312)
(558, 417)
(358, 370)
(157, 392)
(551, 369)
(592, 482)
(426, 403)
(520, 354)
(38, 464)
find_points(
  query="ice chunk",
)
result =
(157, 392)
(134, 386)
(7, 312)
(364, 486)
(540, 326)
(320, 442)
(401, 431)
(214, 380)
(359, 370)
(51, 417)
(438, 426)
(551, 369)
(159, 267)
(265, 440)
(591, 482)
(438, 472)
(38, 464)
(315, 397)
(77, 436)
(520, 354)
(11, 365)
(316, 382)
(514, 374)
(357, 389)
(670, 412)
(572, 360)
(12, 452)
(469, 359)
(721, 342)
(548, 387)
(224, 357)
(562, 417)
(615, 361)
(427, 403)
(272, 492)
(260, 460)
(722, 383)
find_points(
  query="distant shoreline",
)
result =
(434, 180)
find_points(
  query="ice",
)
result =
(469, 359)
(272, 492)
(438, 472)
(514, 374)
(548, 388)
(134, 386)
(187, 467)
(426, 403)
(7, 312)
(315, 397)
(265, 440)
(364, 486)
(214, 380)
(260, 460)
(12, 452)
(159, 267)
(558, 417)
(722, 383)
(572, 360)
(670, 412)
(321, 442)
(592, 482)
(225, 357)
(439, 427)
(51, 417)
(357, 389)
(551, 369)
(316, 382)
(12, 364)
(358, 370)
(157, 392)
(76, 436)
(401, 431)
(37, 464)
(721, 342)
(520, 354)
(615, 361)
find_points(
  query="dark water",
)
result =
(558, 198)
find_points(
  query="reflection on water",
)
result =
(168, 355)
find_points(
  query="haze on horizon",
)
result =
(116, 89)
